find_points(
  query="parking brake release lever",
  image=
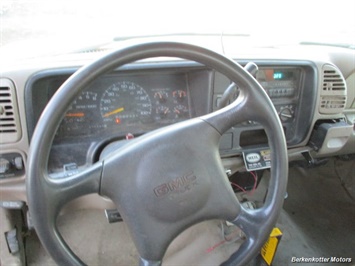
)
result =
(232, 89)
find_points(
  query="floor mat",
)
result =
(98, 243)
(318, 219)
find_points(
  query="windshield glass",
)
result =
(52, 26)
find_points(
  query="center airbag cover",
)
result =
(170, 172)
(173, 186)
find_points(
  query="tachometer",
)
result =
(125, 102)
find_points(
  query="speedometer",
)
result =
(125, 102)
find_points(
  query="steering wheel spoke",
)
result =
(57, 192)
(249, 106)
(256, 230)
(63, 190)
(51, 195)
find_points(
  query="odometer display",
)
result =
(125, 102)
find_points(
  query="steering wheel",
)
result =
(167, 180)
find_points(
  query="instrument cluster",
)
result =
(127, 104)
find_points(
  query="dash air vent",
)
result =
(10, 130)
(333, 94)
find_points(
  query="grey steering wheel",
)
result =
(141, 177)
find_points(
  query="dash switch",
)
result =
(4, 165)
(18, 162)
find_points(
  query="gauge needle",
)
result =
(118, 110)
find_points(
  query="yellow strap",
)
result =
(269, 249)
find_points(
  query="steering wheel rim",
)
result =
(46, 196)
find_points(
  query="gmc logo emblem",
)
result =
(179, 184)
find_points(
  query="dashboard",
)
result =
(312, 96)
(121, 106)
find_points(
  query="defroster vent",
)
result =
(10, 130)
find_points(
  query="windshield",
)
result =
(55, 26)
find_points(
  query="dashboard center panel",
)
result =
(290, 88)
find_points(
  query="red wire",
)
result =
(215, 246)
(231, 237)
(254, 186)
(242, 189)
(236, 185)
(255, 183)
